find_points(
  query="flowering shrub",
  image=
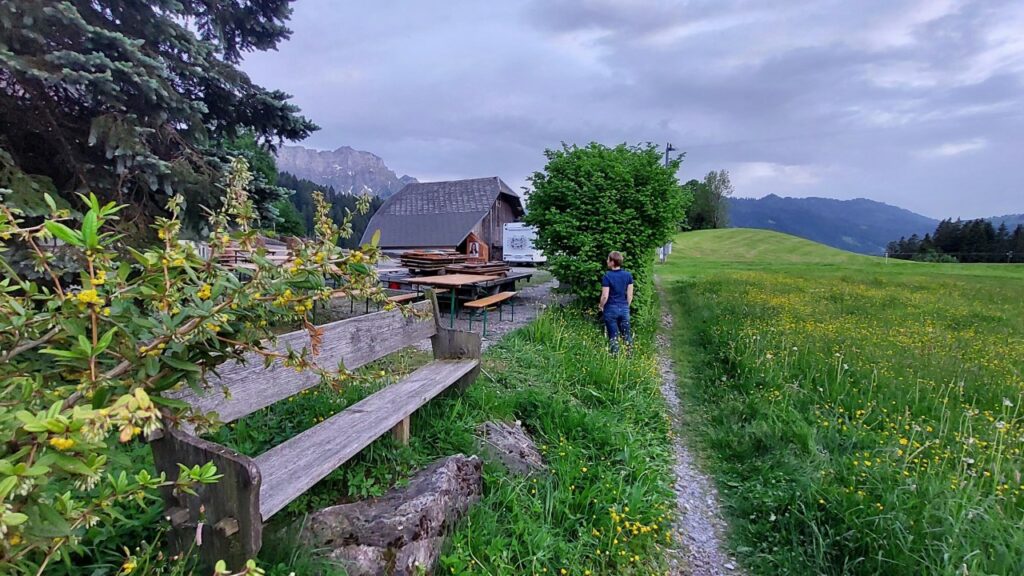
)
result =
(85, 363)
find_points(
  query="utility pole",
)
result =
(668, 148)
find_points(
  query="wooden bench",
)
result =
(481, 306)
(227, 517)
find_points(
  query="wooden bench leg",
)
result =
(401, 431)
(222, 521)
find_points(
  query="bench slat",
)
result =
(490, 300)
(353, 342)
(291, 468)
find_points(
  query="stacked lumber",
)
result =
(431, 260)
(234, 254)
(484, 268)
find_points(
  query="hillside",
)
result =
(346, 169)
(860, 225)
(737, 245)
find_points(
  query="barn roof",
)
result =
(436, 214)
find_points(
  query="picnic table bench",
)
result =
(226, 519)
(483, 305)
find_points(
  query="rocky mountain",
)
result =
(1011, 220)
(859, 225)
(346, 169)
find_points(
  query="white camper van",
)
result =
(518, 245)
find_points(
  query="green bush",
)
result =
(589, 201)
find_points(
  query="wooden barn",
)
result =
(464, 215)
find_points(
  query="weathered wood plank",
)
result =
(229, 510)
(402, 430)
(352, 343)
(291, 468)
(453, 344)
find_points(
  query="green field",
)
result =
(860, 416)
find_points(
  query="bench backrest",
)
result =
(243, 388)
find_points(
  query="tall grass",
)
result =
(604, 505)
(861, 421)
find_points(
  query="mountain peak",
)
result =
(345, 168)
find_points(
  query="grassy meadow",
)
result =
(603, 508)
(860, 416)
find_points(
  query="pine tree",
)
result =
(135, 100)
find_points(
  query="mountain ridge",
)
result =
(346, 169)
(859, 225)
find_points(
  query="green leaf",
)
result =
(46, 522)
(100, 397)
(61, 353)
(6, 485)
(63, 232)
(14, 518)
(375, 239)
(105, 340)
(85, 345)
(181, 364)
(90, 226)
(72, 465)
(169, 402)
(50, 202)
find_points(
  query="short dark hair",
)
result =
(615, 257)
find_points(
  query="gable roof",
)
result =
(436, 214)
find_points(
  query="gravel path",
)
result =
(699, 524)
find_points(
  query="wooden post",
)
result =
(401, 431)
(223, 520)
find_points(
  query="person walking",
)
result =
(616, 297)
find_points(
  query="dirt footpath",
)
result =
(699, 525)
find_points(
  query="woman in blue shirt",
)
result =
(616, 296)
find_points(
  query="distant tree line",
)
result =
(710, 208)
(297, 213)
(963, 241)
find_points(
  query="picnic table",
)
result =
(453, 282)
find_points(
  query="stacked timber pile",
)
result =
(484, 268)
(431, 261)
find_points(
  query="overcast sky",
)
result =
(918, 103)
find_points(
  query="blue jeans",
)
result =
(616, 321)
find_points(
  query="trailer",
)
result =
(518, 245)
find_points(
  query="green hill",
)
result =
(755, 245)
(704, 251)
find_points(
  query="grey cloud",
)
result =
(871, 98)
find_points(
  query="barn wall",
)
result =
(492, 226)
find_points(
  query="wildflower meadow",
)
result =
(861, 417)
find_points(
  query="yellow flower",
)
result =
(128, 566)
(89, 297)
(903, 442)
(61, 443)
(15, 539)
(100, 279)
(204, 292)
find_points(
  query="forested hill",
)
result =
(302, 200)
(859, 225)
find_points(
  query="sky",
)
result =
(917, 103)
